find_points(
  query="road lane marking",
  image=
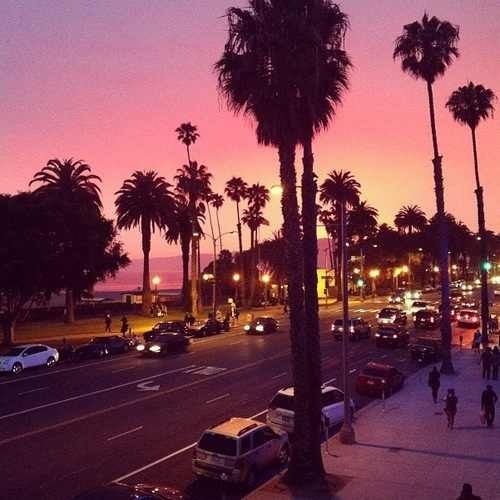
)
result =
(146, 386)
(191, 370)
(124, 369)
(88, 394)
(353, 370)
(330, 381)
(32, 390)
(383, 356)
(235, 343)
(209, 370)
(279, 375)
(218, 398)
(135, 429)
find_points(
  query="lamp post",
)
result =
(194, 274)
(236, 279)
(156, 281)
(374, 274)
(265, 278)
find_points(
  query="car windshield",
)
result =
(282, 401)
(387, 313)
(424, 314)
(387, 331)
(167, 336)
(15, 351)
(419, 304)
(340, 322)
(217, 443)
(374, 371)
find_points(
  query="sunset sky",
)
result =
(109, 81)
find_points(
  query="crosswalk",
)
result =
(205, 370)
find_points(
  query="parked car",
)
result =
(392, 335)
(413, 294)
(391, 316)
(418, 305)
(358, 329)
(469, 303)
(280, 414)
(16, 359)
(426, 350)
(205, 328)
(380, 380)
(120, 491)
(166, 326)
(468, 318)
(99, 347)
(261, 325)
(164, 344)
(427, 318)
(397, 297)
(236, 450)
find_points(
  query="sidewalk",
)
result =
(405, 451)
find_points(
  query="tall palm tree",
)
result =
(71, 185)
(187, 134)
(426, 49)
(193, 182)
(469, 105)
(410, 218)
(145, 201)
(339, 187)
(217, 201)
(257, 195)
(236, 190)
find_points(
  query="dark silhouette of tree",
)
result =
(236, 190)
(469, 105)
(72, 189)
(410, 218)
(187, 134)
(426, 49)
(217, 200)
(145, 201)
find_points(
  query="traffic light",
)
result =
(486, 266)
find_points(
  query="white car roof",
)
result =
(289, 391)
(24, 346)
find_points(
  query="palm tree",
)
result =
(217, 201)
(257, 195)
(193, 182)
(410, 218)
(426, 49)
(187, 134)
(236, 190)
(70, 184)
(145, 201)
(469, 105)
(339, 187)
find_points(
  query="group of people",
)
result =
(490, 361)
(108, 321)
(488, 400)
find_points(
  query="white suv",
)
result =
(236, 450)
(280, 414)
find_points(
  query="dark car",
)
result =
(165, 343)
(99, 347)
(426, 350)
(379, 380)
(261, 325)
(166, 326)
(391, 316)
(205, 328)
(119, 491)
(392, 335)
(427, 319)
(358, 329)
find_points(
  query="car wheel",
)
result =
(17, 368)
(284, 455)
(50, 362)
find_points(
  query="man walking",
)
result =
(434, 383)
(107, 323)
(488, 401)
(486, 358)
(450, 408)
(495, 362)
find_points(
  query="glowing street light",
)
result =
(435, 269)
(374, 274)
(276, 190)
(266, 278)
(156, 281)
(236, 277)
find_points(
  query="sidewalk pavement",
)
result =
(404, 449)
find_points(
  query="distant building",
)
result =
(134, 297)
(326, 283)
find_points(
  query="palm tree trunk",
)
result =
(218, 228)
(339, 254)
(69, 301)
(240, 262)
(447, 365)
(185, 244)
(253, 263)
(310, 256)
(146, 282)
(301, 463)
(483, 244)
(194, 276)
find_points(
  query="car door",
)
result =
(265, 443)
(335, 406)
(30, 357)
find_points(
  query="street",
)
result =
(135, 420)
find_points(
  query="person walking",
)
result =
(495, 362)
(450, 407)
(467, 493)
(434, 383)
(488, 401)
(124, 327)
(107, 323)
(486, 359)
(476, 342)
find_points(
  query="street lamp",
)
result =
(156, 281)
(276, 190)
(374, 274)
(265, 278)
(236, 279)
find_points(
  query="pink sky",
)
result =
(109, 82)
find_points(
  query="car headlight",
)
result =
(351, 329)
(246, 328)
(141, 347)
(394, 336)
(377, 335)
(260, 328)
(155, 348)
(432, 319)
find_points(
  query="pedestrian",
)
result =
(477, 341)
(434, 383)
(495, 362)
(488, 401)
(450, 407)
(467, 493)
(124, 327)
(486, 359)
(107, 323)
(237, 314)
